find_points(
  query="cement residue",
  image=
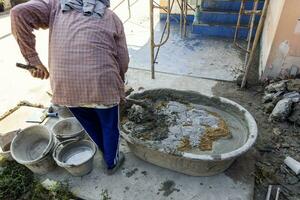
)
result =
(177, 126)
(213, 134)
(129, 172)
(168, 187)
(37, 149)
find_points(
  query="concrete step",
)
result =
(219, 30)
(219, 17)
(228, 5)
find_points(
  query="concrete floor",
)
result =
(200, 57)
(138, 179)
(179, 60)
(209, 58)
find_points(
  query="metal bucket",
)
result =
(75, 156)
(32, 148)
(68, 128)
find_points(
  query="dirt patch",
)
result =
(129, 173)
(168, 187)
(145, 173)
(275, 141)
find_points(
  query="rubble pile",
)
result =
(282, 101)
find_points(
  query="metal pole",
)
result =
(181, 16)
(256, 39)
(251, 30)
(239, 21)
(152, 40)
(185, 16)
(166, 27)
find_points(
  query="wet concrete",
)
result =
(180, 114)
(178, 126)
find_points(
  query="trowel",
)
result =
(39, 115)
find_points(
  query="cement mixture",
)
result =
(177, 126)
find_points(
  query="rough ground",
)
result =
(275, 141)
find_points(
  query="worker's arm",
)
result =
(122, 57)
(25, 18)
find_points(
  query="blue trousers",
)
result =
(103, 127)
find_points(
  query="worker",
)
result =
(88, 59)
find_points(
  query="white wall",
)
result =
(270, 28)
(281, 39)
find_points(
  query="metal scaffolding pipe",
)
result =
(184, 6)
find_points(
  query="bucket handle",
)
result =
(61, 143)
(18, 131)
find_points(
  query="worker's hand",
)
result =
(41, 72)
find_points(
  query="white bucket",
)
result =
(76, 156)
(32, 148)
(68, 128)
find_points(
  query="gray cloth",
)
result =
(87, 7)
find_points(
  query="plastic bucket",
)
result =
(32, 148)
(68, 128)
(75, 156)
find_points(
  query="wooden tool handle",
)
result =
(27, 67)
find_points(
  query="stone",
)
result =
(275, 87)
(292, 180)
(277, 97)
(268, 97)
(276, 131)
(282, 110)
(273, 97)
(49, 184)
(268, 107)
(293, 85)
(295, 96)
(295, 116)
